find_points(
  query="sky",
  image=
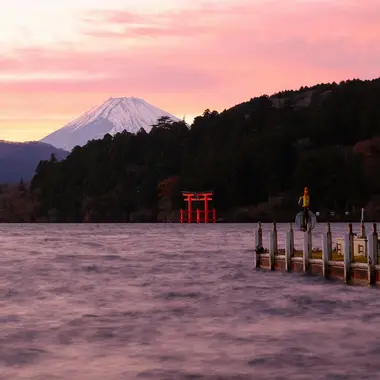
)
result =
(60, 59)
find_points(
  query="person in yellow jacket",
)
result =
(304, 202)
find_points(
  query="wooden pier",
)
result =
(345, 264)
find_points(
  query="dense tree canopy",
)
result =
(256, 156)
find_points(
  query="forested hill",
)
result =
(257, 156)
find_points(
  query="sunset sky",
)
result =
(61, 58)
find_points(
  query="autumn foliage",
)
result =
(168, 186)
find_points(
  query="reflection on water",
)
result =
(169, 301)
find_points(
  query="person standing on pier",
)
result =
(304, 202)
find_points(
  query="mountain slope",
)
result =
(19, 160)
(113, 116)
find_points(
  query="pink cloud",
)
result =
(311, 34)
(210, 57)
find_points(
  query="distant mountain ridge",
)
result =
(113, 116)
(19, 160)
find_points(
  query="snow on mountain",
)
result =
(113, 116)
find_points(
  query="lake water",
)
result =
(169, 301)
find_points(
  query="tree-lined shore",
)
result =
(256, 156)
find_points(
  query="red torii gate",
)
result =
(190, 197)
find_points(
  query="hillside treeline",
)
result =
(256, 156)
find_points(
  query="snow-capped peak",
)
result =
(130, 114)
(113, 116)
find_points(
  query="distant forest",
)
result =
(256, 156)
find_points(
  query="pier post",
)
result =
(373, 243)
(258, 244)
(259, 236)
(272, 246)
(348, 253)
(362, 226)
(289, 248)
(326, 249)
(307, 249)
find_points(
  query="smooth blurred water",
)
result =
(169, 301)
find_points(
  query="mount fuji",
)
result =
(113, 116)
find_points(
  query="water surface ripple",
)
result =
(166, 301)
